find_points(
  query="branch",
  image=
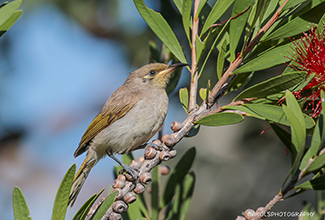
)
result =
(194, 73)
(124, 184)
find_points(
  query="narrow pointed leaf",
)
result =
(100, 212)
(299, 24)
(202, 3)
(217, 11)
(161, 28)
(246, 111)
(317, 164)
(316, 142)
(219, 119)
(272, 86)
(221, 58)
(183, 97)
(203, 93)
(7, 10)
(179, 4)
(21, 211)
(296, 118)
(268, 59)
(62, 196)
(276, 114)
(187, 193)
(186, 18)
(83, 211)
(314, 184)
(9, 22)
(238, 24)
(177, 176)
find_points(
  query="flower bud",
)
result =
(150, 152)
(130, 197)
(119, 206)
(146, 178)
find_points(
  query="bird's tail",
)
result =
(80, 178)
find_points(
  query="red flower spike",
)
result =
(309, 56)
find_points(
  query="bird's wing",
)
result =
(116, 107)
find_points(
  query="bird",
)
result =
(131, 116)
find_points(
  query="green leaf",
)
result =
(276, 114)
(272, 86)
(177, 176)
(183, 97)
(187, 193)
(317, 164)
(161, 28)
(240, 81)
(83, 211)
(316, 142)
(217, 11)
(62, 196)
(21, 211)
(296, 118)
(203, 93)
(272, 57)
(155, 193)
(179, 4)
(199, 47)
(186, 18)
(314, 184)
(292, 3)
(221, 58)
(183, 197)
(245, 111)
(7, 10)
(299, 24)
(9, 22)
(100, 212)
(202, 3)
(238, 24)
(219, 119)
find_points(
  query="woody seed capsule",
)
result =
(146, 178)
(164, 156)
(150, 152)
(130, 197)
(119, 206)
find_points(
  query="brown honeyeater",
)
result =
(129, 118)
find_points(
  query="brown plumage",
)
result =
(129, 118)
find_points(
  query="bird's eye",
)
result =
(152, 73)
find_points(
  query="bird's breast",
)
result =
(136, 127)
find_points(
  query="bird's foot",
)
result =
(130, 170)
(159, 147)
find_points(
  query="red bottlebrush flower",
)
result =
(309, 56)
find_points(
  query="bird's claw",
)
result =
(157, 146)
(130, 170)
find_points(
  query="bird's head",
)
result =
(155, 74)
